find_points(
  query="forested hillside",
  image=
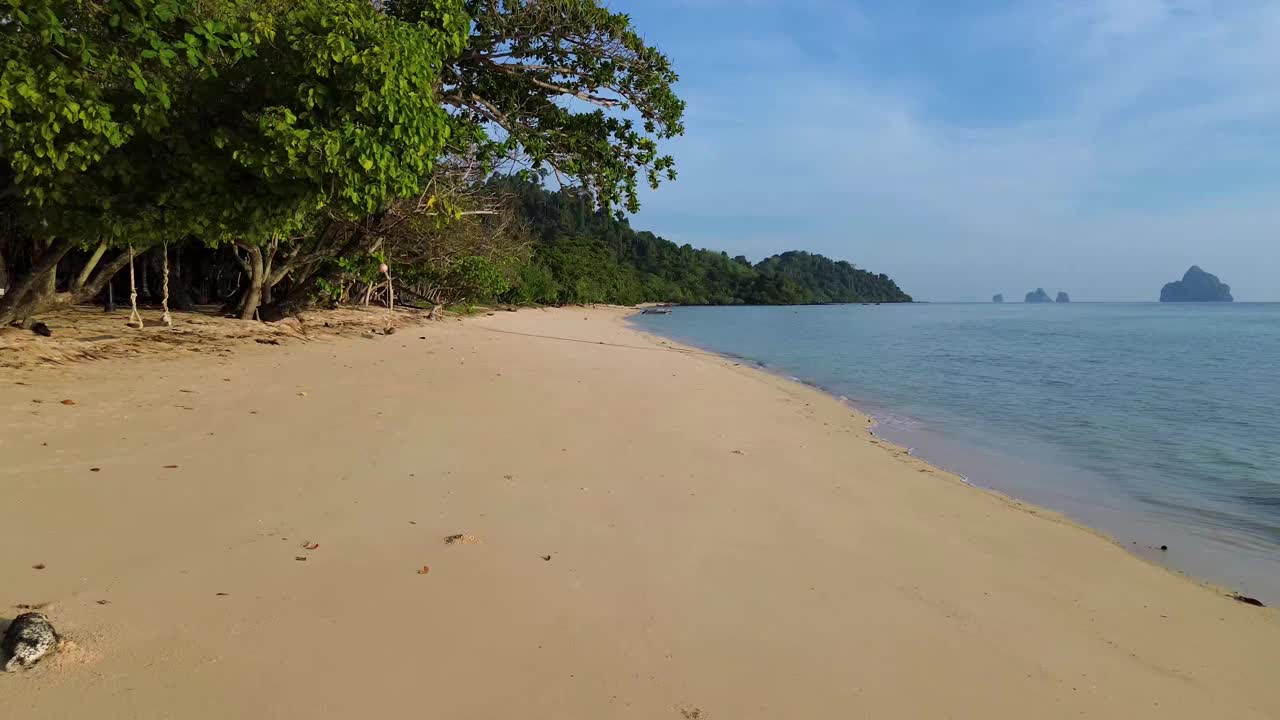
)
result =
(582, 254)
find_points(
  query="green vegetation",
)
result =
(584, 255)
(267, 154)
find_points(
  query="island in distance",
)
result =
(1039, 296)
(1063, 297)
(1196, 286)
(997, 298)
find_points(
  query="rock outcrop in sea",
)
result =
(1063, 297)
(997, 298)
(1039, 296)
(1196, 286)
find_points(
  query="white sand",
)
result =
(723, 543)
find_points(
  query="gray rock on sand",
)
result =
(29, 639)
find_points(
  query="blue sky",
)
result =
(968, 147)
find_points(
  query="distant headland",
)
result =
(1196, 286)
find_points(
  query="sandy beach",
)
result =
(649, 532)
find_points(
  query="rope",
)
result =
(134, 317)
(164, 303)
(391, 291)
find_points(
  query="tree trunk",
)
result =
(89, 265)
(17, 303)
(4, 272)
(144, 289)
(257, 278)
(179, 290)
(299, 293)
(90, 289)
(47, 299)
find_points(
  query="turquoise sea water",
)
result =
(1158, 424)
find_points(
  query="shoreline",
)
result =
(1201, 566)
(650, 533)
(950, 474)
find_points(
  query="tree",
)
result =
(304, 134)
(217, 121)
(80, 82)
(565, 86)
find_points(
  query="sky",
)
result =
(969, 147)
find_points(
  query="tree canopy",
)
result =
(260, 122)
(573, 90)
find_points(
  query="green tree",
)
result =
(80, 82)
(573, 90)
(216, 121)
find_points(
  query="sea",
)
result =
(1155, 423)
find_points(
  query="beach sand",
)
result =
(649, 533)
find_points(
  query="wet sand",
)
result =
(648, 533)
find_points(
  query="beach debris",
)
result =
(300, 558)
(461, 539)
(1164, 548)
(28, 606)
(692, 713)
(738, 452)
(95, 469)
(68, 401)
(38, 566)
(30, 638)
(1247, 600)
(266, 341)
(222, 594)
(104, 602)
(425, 569)
(41, 329)
(170, 467)
(546, 558)
(308, 545)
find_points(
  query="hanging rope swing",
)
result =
(135, 319)
(164, 302)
